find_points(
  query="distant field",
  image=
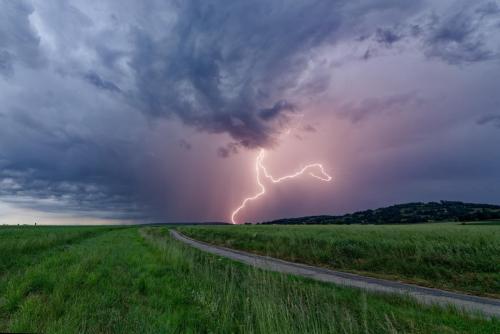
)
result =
(445, 255)
(139, 280)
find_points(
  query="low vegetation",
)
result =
(139, 280)
(451, 256)
(23, 244)
(409, 213)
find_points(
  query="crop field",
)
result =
(139, 280)
(453, 256)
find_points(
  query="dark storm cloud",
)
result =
(229, 63)
(490, 119)
(228, 150)
(461, 34)
(86, 85)
(229, 66)
(459, 37)
(387, 36)
(78, 186)
(97, 81)
(276, 110)
(63, 146)
(44, 161)
(28, 190)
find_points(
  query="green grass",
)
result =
(139, 280)
(446, 255)
(22, 244)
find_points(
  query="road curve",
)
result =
(479, 305)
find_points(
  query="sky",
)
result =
(155, 111)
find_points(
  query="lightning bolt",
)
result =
(261, 169)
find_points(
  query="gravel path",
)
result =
(481, 305)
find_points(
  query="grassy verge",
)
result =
(450, 256)
(131, 280)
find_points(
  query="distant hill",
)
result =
(409, 213)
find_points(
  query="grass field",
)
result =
(445, 255)
(139, 280)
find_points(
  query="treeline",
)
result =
(409, 213)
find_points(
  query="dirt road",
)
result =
(486, 306)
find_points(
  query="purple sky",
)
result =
(146, 111)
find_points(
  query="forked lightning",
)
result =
(318, 173)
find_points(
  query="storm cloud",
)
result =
(99, 98)
(19, 42)
(490, 119)
(463, 33)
